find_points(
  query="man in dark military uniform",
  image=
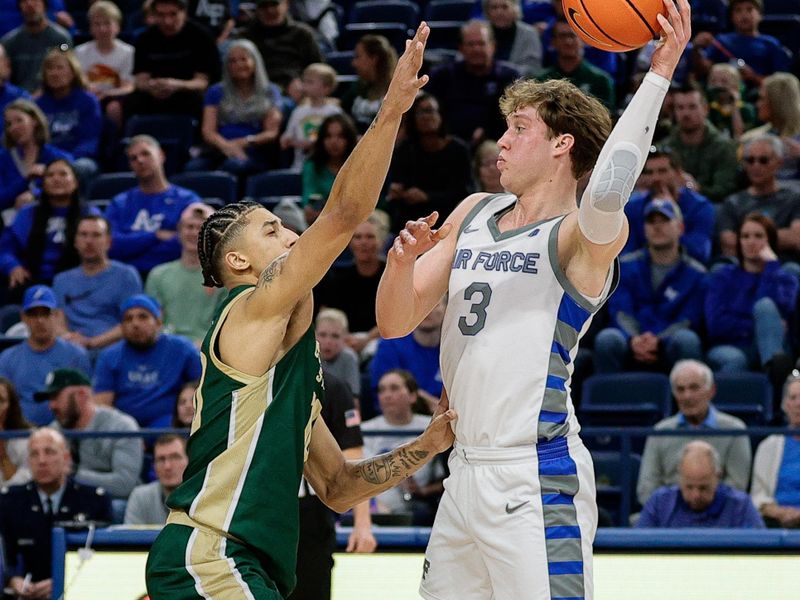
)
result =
(28, 512)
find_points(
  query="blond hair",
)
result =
(326, 73)
(78, 78)
(564, 109)
(380, 220)
(333, 315)
(41, 129)
(782, 91)
(104, 8)
(728, 69)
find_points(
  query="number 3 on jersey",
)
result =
(483, 292)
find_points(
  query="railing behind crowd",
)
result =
(628, 438)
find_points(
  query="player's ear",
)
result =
(563, 143)
(236, 261)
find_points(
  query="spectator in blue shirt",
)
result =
(26, 150)
(144, 220)
(143, 373)
(662, 178)
(40, 241)
(658, 306)
(760, 54)
(417, 353)
(748, 304)
(8, 91)
(28, 363)
(73, 113)
(241, 116)
(776, 467)
(699, 499)
(90, 295)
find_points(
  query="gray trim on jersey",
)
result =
(569, 288)
(479, 206)
(499, 236)
(566, 335)
(553, 401)
(556, 365)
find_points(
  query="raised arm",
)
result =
(600, 231)
(417, 270)
(341, 484)
(357, 186)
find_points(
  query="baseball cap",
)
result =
(58, 380)
(662, 206)
(39, 295)
(144, 301)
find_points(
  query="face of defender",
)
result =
(265, 239)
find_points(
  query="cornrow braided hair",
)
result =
(217, 230)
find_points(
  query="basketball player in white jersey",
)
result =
(524, 273)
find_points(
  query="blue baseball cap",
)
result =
(39, 296)
(662, 206)
(144, 301)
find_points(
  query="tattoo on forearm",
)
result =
(399, 463)
(375, 120)
(272, 271)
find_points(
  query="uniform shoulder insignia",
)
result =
(4, 489)
(101, 491)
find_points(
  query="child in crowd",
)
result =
(727, 111)
(319, 81)
(332, 330)
(107, 61)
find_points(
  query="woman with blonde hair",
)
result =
(26, 150)
(241, 116)
(72, 112)
(778, 106)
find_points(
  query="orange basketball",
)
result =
(614, 25)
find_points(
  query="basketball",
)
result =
(614, 25)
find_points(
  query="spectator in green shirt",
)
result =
(571, 65)
(707, 154)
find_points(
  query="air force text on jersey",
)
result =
(515, 262)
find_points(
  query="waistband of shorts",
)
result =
(179, 517)
(490, 455)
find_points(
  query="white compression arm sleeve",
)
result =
(620, 163)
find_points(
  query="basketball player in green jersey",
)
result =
(233, 526)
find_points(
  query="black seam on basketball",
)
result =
(600, 29)
(641, 16)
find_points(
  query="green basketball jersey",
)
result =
(248, 445)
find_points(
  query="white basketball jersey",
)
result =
(511, 331)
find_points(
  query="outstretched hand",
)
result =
(676, 33)
(405, 83)
(418, 237)
(440, 430)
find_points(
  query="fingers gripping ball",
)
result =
(614, 25)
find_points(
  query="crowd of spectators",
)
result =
(109, 294)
